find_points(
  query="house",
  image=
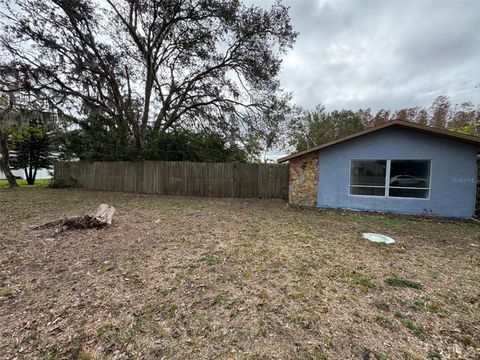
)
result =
(397, 167)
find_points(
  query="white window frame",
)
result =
(387, 181)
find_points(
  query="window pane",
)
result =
(368, 172)
(371, 191)
(409, 193)
(410, 173)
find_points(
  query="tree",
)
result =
(19, 103)
(381, 117)
(422, 117)
(96, 138)
(317, 127)
(366, 117)
(462, 115)
(189, 146)
(408, 114)
(30, 149)
(150, 65)
(310, 128)
(345, 122)
(401, 115)
(6, 107)
(440, 111)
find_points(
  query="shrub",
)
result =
(399, 282)
(384, 321)
(434, 354)
(361, 279)
(417, 329)
(209, 258)
(7, 292)
(57, 184)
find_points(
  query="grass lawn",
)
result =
(23, 182)
(191, 278)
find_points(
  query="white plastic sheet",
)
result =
(378, 238)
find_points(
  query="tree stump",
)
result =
(101, 217)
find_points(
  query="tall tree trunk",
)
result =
(4, 161)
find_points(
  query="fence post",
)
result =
(140, 177)
(56, 170)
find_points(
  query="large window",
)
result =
(367, 177)
(393, 178)
(409, 178)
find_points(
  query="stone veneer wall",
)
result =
(303, 187)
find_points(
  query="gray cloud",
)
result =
(382, 54)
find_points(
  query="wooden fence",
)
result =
(265, 181)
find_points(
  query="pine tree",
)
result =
(30, 149)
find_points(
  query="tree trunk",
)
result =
(30, 176)
(32, 173)
(4, 161)
(102, 217)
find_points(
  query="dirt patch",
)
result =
(241, 279)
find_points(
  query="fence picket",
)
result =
(179, 178)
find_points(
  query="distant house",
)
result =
(397, 167)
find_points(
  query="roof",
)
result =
(469, 139)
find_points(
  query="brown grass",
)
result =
(193, 278)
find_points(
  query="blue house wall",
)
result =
(453, 173)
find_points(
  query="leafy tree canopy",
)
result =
(317, 127)
(97, 140)
(190, 146)
(442, 113)
(152, 65)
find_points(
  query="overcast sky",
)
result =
(382, 54)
